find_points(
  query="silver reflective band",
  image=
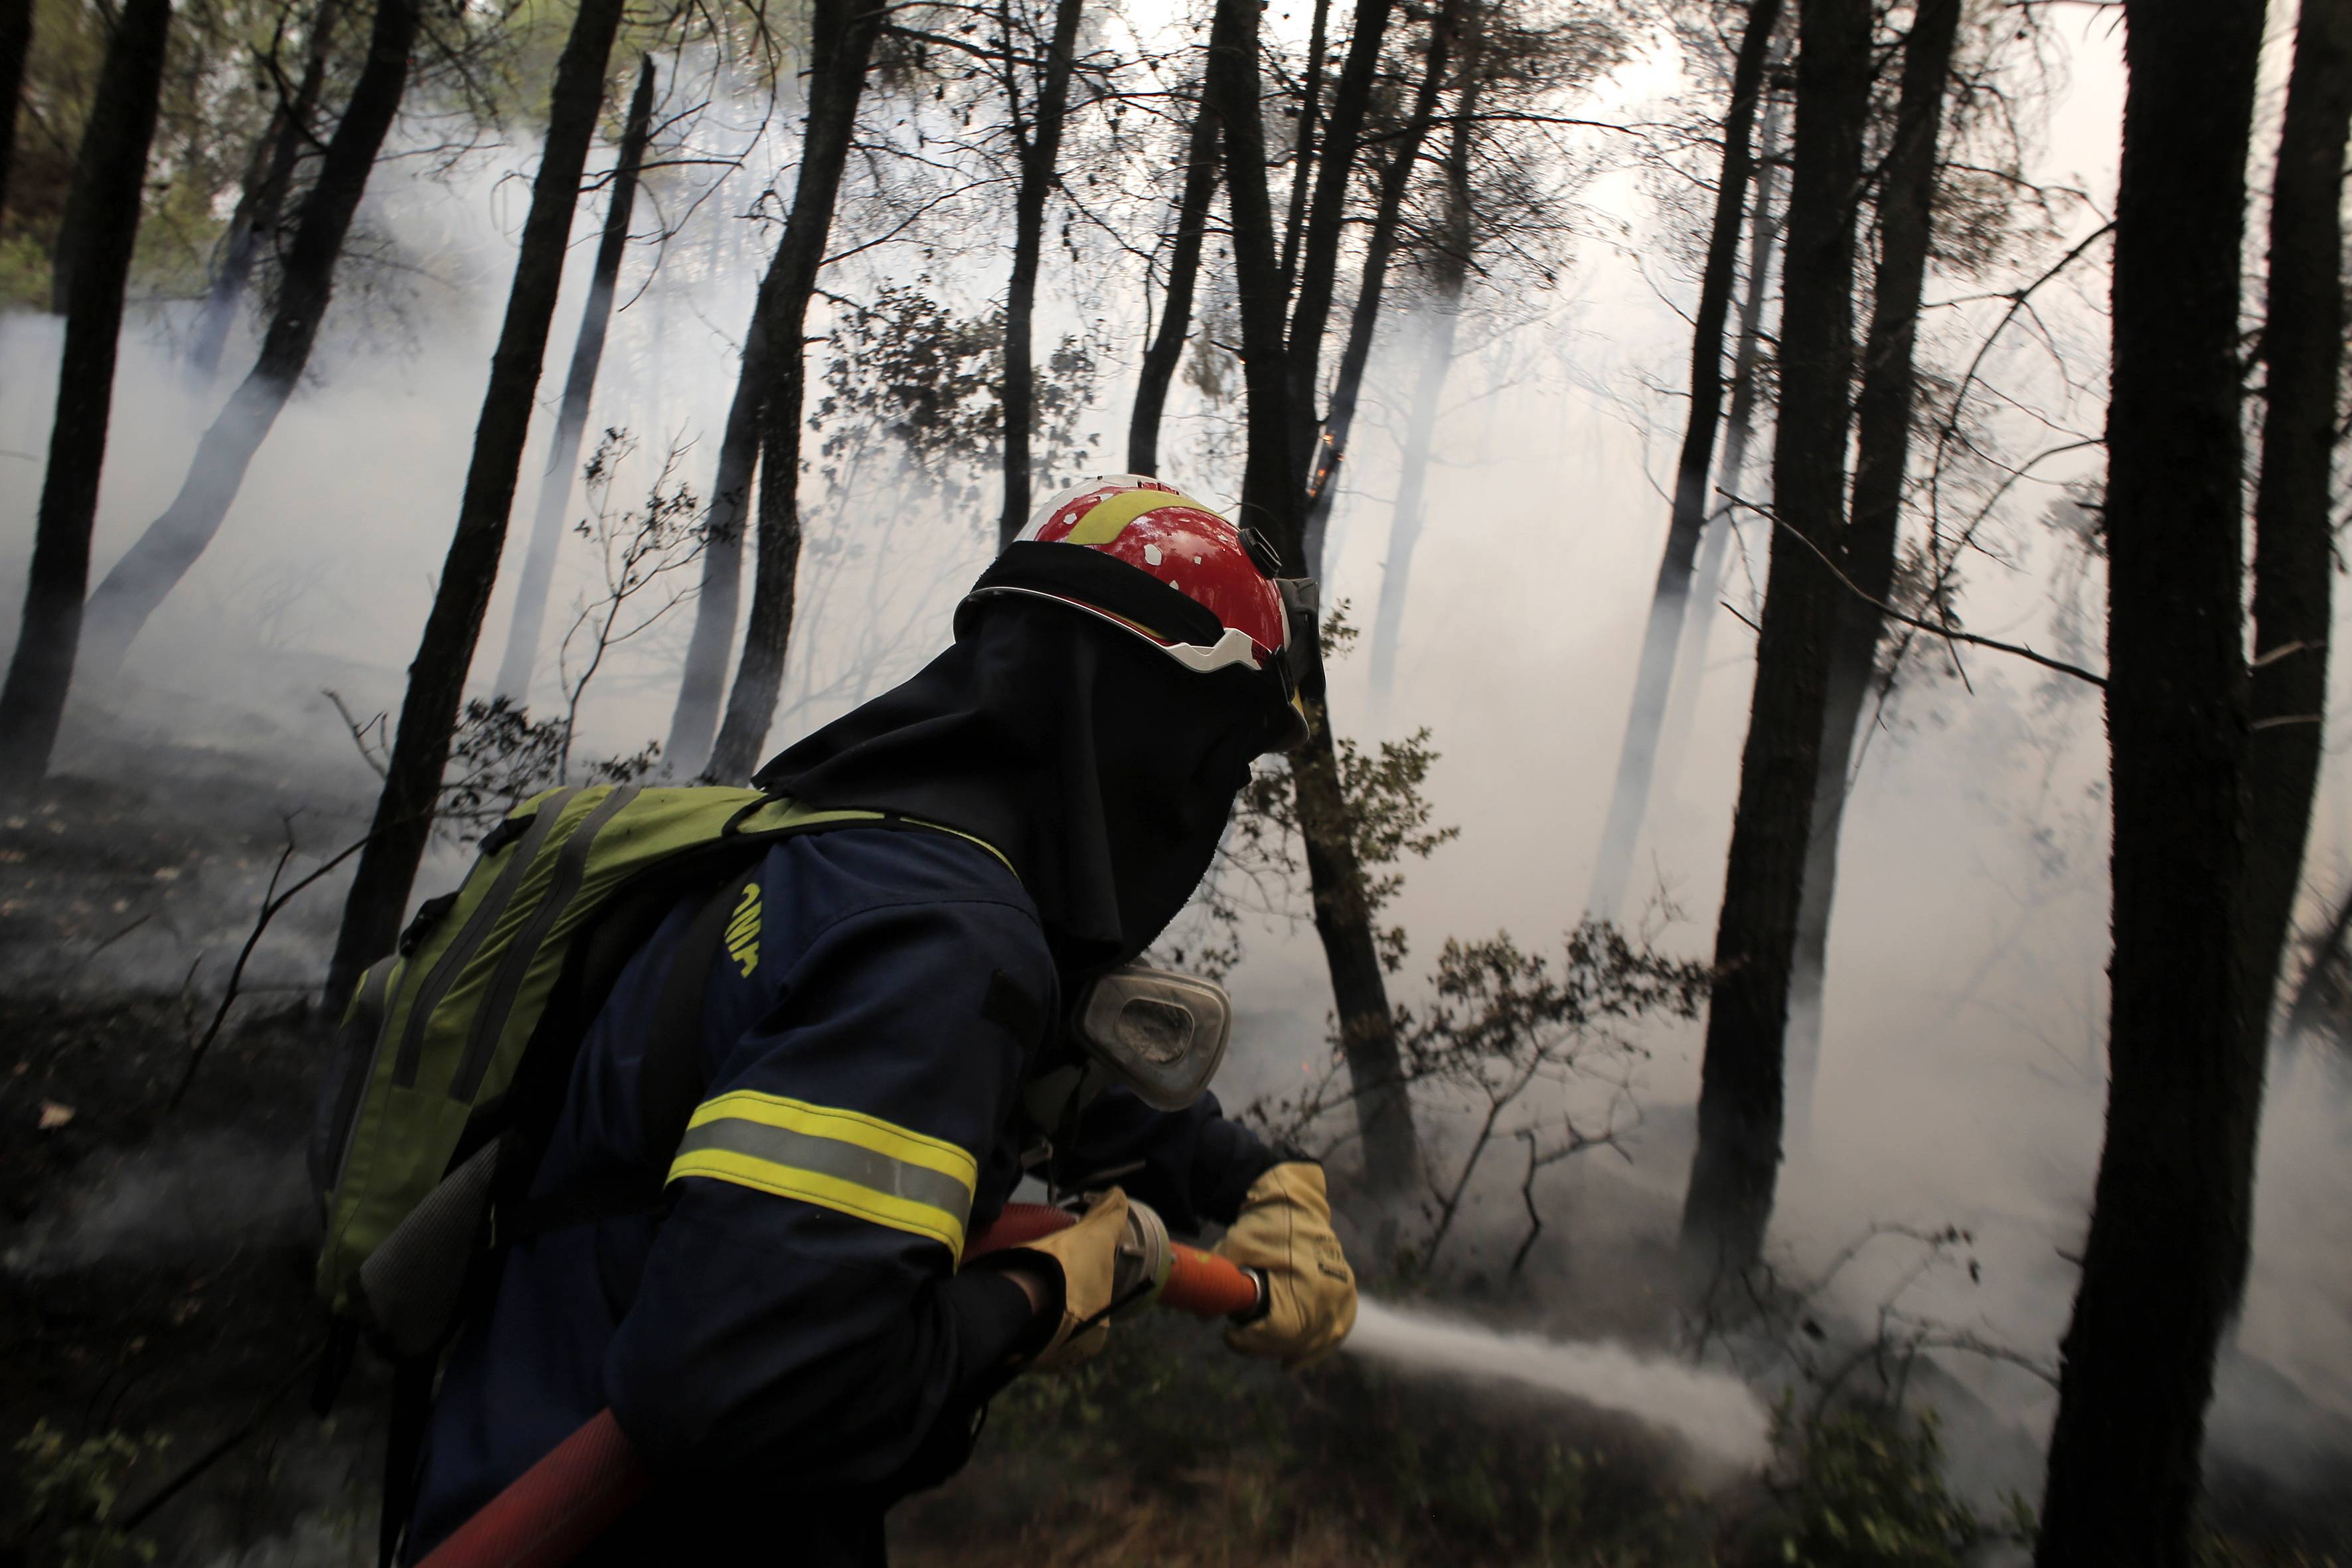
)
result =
(841, 1160)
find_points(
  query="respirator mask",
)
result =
(1152, 1031)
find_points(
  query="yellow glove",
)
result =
(1086, 1256)
(1284, 1228)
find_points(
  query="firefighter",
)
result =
(788, 1342)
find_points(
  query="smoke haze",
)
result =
(1962, 1074)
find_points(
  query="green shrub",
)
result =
(70, 1493)
(1867, 1491)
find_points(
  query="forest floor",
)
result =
(155, 1298)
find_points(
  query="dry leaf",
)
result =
(54, 1115)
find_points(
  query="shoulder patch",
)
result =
(1011, 1008)
(744, 931)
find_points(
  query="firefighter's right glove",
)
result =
(1086, 1259)
(1284, 1229)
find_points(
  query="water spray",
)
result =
(1718, 1415)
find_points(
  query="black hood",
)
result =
(1104, 770)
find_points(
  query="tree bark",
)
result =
(1167, 346)
(1041, 153)
(1273, 501)
(1739, 1109)
(2172, 1204)
(1730, 467)
(1450, 276)
(842, 34)
(263, 201)
(1318, 259)
(110, 179)
(2294, 573)
(572, 414)
(1380, 251)
(1882, 451)
(161, 556)
(15, 43)
(436, 678)
(1302, 157)
(1629, 797)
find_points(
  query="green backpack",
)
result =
(451, 1059)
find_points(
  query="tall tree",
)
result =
(437, 677)
(1318, 242)
(15, 43)
(261, 202)
(1274, 500)
(161, 556)
(1748, 378)
(841, 40)
(2294, 569)
(1449, 276)
(1907, 200)
(1629, 797)
(109, 178)
(1038, 145)
(1167, 345)
(572, 414)
(2173, 1200)
(1302, 154)
(702, 678)
(1739, 1111)
(1379, 252)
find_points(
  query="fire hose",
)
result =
(585, 1484)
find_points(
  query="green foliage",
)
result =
(71, 1491)
(906, 367)
(1869, 1492)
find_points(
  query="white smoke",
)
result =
(195, 1198)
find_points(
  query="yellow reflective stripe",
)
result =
(826, 1192)
(1109, 518)
(843, 1159)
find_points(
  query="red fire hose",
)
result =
(553, 1511)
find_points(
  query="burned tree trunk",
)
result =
(702, 684)
(1730, 468)
(436, 677)
(1302, 154)
(263, 201)
(1380, 251)
(1274, 500)
(1882, 451)
(1167, 346)
(161, 557)
(1041, 154)
(1319, 250)
(2302, 348)
(572, 416)
(109, 178)
(1739, 1109)
(1450, 276)
(842, 34)
(1654, 676)
(2173, 1202)
(15, 43)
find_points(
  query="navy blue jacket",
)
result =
(788, 1344)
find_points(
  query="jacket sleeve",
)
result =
(799, 1313)
(1192, 1165)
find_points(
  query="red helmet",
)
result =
(1163, 567)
